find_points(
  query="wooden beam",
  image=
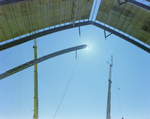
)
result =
(66, 11)
(54, 11)
(60, 13)
(42, 14)
(80, 13)
(124, 19)
(7, 23)
(74, 10)
(22, 19)
(49, 14)
(29, 17)
(15, 21)
(36, 16)
(3, 35)
(54, 30)
(10, 2)
(85, 11)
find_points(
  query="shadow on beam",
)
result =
(139, 4)
(37, 35)
(122, 36)
(8, 2)
(43, 33)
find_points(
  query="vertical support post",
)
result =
(35, 116)
(109, 91)
(79, 31)
(76, 55)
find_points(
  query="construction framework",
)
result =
(46, 32)
(20, 19)
(25, 20)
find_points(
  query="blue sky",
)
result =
(86, 97)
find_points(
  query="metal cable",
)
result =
(40, 51)
(117, 95)
(8, 54)
(65, 90)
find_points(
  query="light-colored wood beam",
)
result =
(54, 11)
(80, 13)
(22, 20)
(15, 21)
(7, 23)
(85, 11)
(42, 14)
(49, 14)
(29, 17)
(12, 2)
(36, 16)
(3, 35)
(60, 13)
(66, 11)
(74, 11)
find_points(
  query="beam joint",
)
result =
(50, 31)
(139, 4)
(120, 3)
(106, 35)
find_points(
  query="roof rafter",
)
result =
(29, 17)
(145, 32)
(131, 20)
(139, 4)
(94, 11)
(15, 21)
(119, 15)
(125, 19)
(66, 11)
(3, 35)
(141, 27)
(54, 11)
(60, 13)
(36, 15)
(136, 22)
(42, 13)
(80, 13)
(7, 22)
(74, 11)
(85, 12)
(12, 2)
(33, 36)
(22, 20)
(49, 15)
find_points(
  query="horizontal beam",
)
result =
(122, 36)
(36, 61)
(139, 4)
(40, 34)
(6, 2)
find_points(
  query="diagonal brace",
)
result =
(120, 3)
(106, 35)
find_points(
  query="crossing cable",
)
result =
(66, 89)
(8, 54)
(117, 94)
(40, 50)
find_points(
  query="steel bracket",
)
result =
(106, 35)
(120, 3)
